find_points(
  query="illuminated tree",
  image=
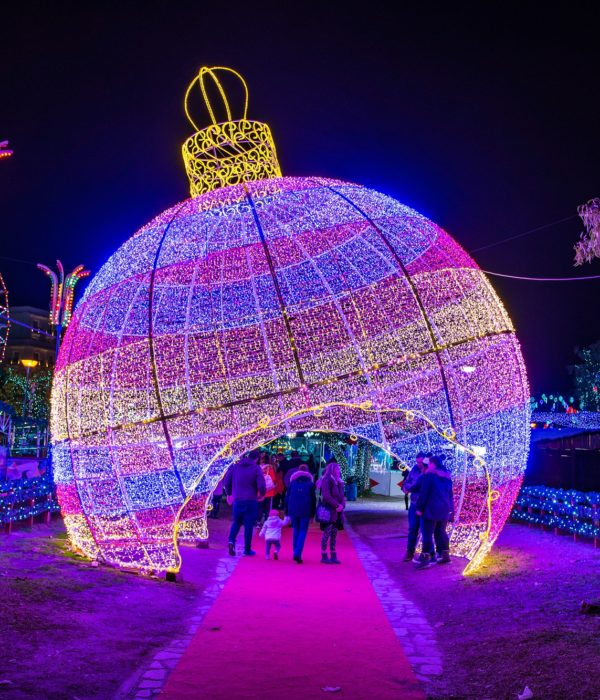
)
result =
(588, 246)
(586, 375)
(33, 393)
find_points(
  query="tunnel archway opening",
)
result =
(473, 485)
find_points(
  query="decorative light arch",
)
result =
(227, 455)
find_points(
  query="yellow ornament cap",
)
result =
(230, 152)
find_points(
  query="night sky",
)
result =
(486, 123)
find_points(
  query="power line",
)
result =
(542, 279)
(525, 233)
(18, 260)
(31, 328)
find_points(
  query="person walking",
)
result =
(411, 486)
(292, 467)
(271, 531)
(268, 471)
(215, 500)
(332, 497)
(405, 472)
(245, 485)
(301, 504)
(435, 507)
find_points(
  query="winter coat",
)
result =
(300, 500)
(288, 476)
(245, 481)
(278, 483)
(218, 490)
(409, 485)
(435, 499)
(286, 465)
(271, 529)
(332, 496)
(412, 484)
(268, 469)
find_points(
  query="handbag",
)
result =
(323, 513)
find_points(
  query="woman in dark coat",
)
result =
(333, 498)
(300, 505)
(435, 506)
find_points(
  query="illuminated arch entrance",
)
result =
(473, 526)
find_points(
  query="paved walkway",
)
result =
(283, 630)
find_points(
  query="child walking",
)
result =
(271, 531)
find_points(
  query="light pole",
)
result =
(28, 364)
(62, 293)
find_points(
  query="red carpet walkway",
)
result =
(283, 630)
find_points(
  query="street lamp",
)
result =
(28, 364)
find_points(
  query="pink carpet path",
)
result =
(283, 630)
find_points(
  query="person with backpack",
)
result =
(301, 505)
(268, 471)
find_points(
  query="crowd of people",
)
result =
(269, 492)
(272, 492)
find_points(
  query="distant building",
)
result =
(29, 341)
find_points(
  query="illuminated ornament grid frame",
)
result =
(268, 299)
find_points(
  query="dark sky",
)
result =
(484, 120)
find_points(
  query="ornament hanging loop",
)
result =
(201, 78)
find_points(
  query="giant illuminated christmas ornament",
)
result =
(264, 305)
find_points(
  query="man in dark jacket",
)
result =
(301, 503)
(411, 485)
(288, 466)
(245, 485)
(435, 507)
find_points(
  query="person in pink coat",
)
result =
(333, 498)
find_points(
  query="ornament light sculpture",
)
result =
(267, 307)
(62, 295)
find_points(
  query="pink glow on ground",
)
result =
(280, 630)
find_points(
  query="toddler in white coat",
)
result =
(271, 531)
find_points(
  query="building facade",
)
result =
(31, 337)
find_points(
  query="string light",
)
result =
(272, 307)
(20, 500)
(582, 420)
(62, 292)
(571, 511)
(4, 318)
